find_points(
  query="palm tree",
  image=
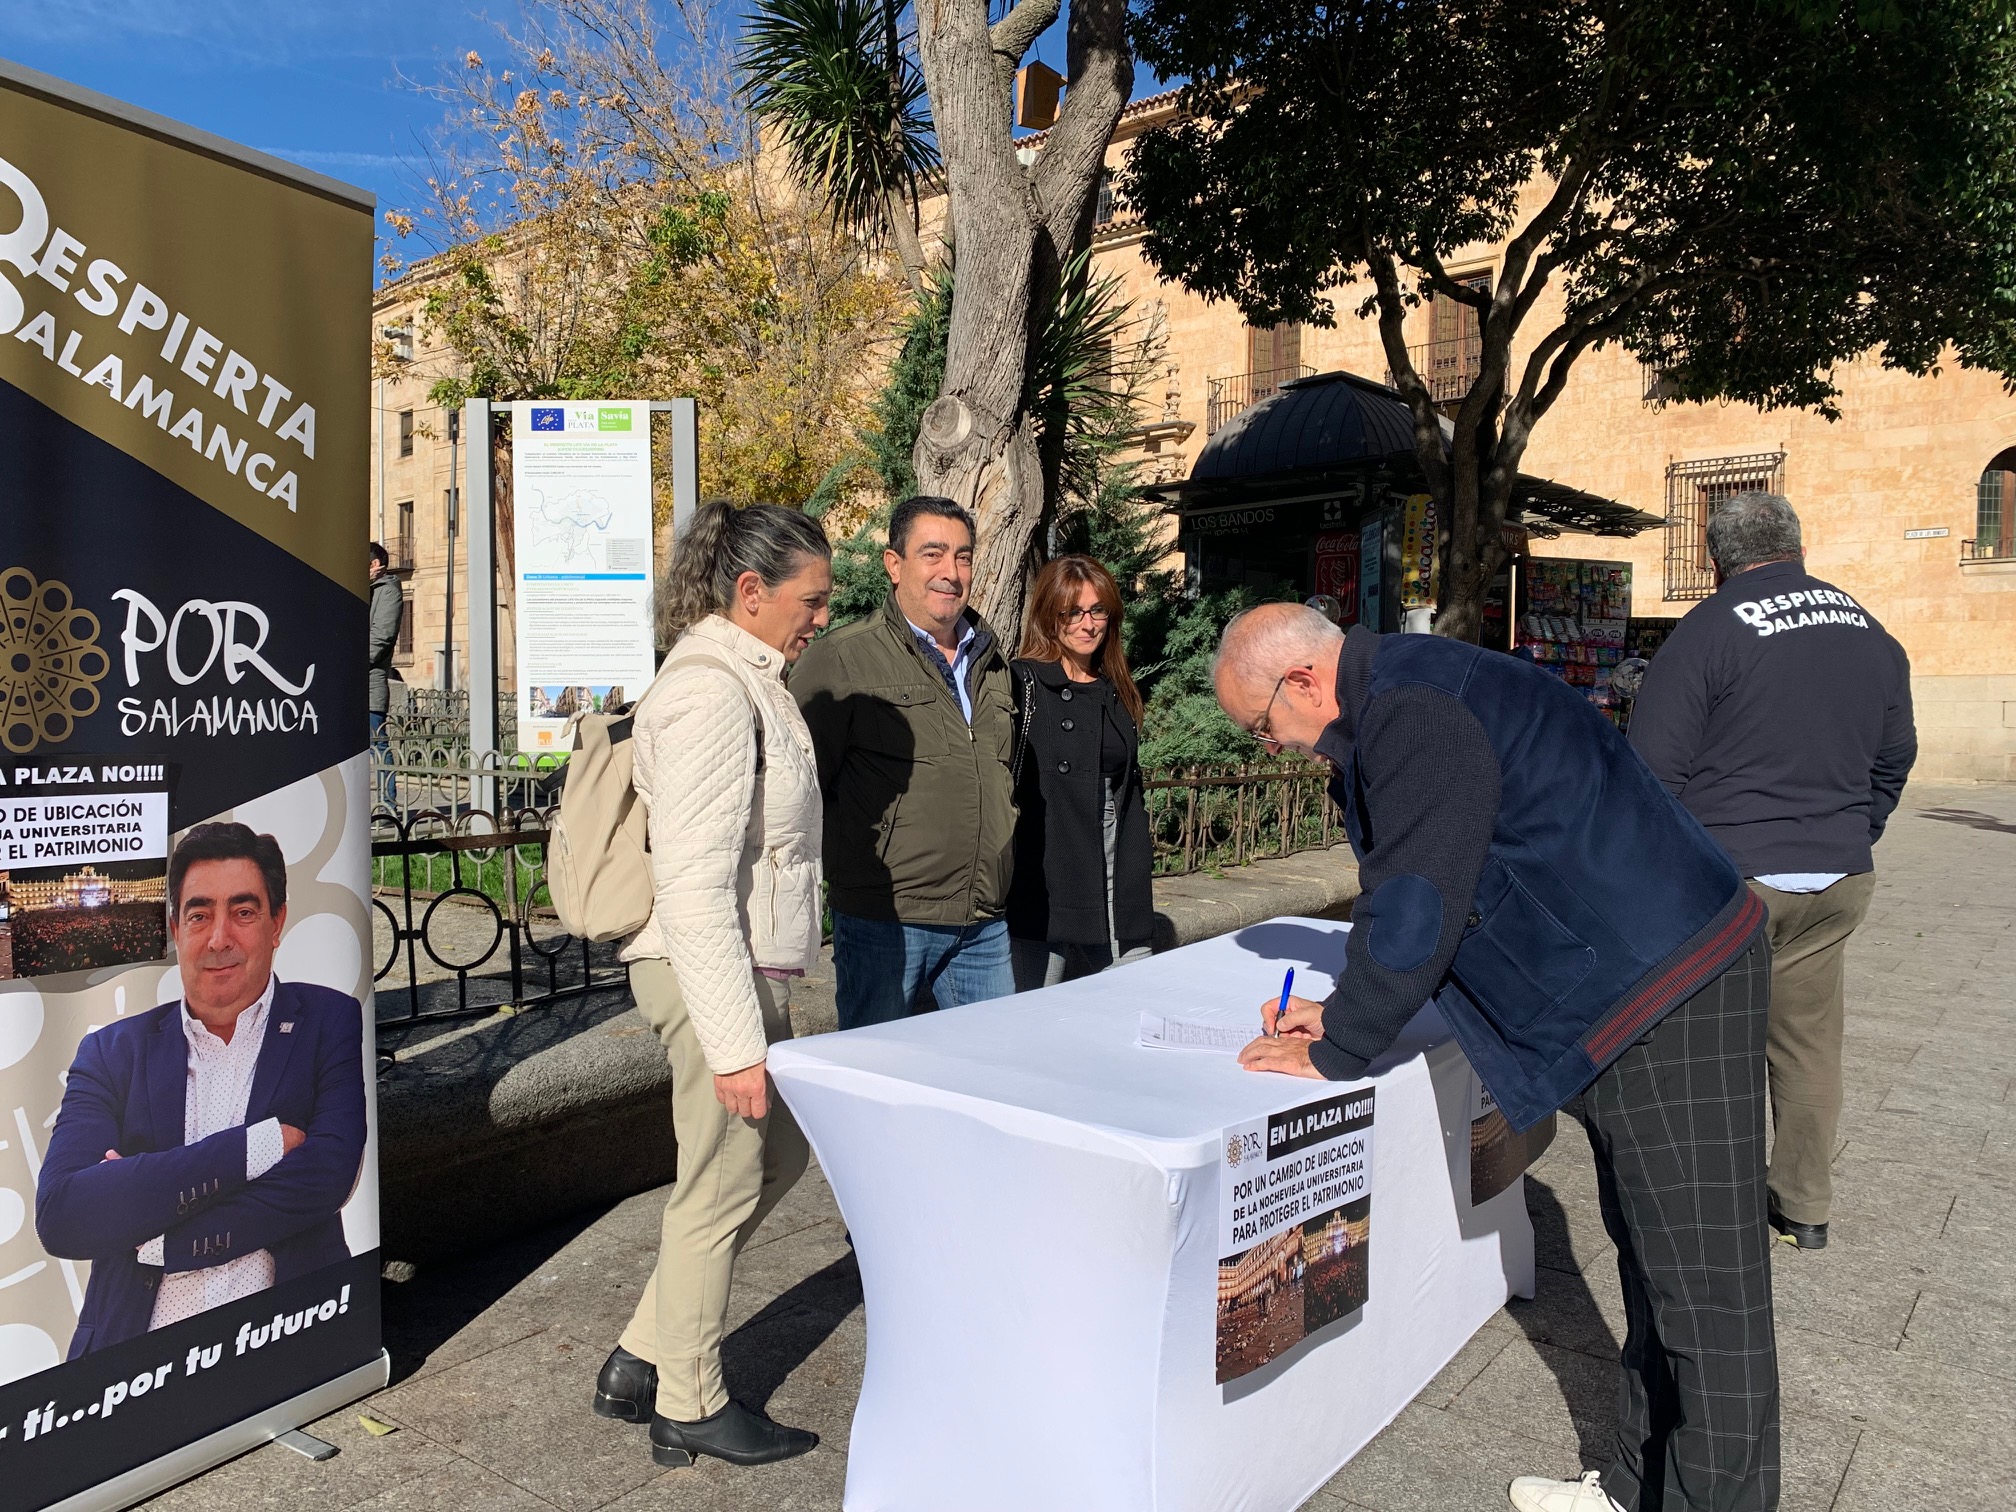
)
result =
(832, 79)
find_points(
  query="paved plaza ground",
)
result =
(1897, 1344)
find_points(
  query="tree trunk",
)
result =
(1014, 227)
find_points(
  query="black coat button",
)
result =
(1063, 766)
(1065, 694)
(1069, 726)
(1474, 920)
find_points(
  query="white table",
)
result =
(1033, 1198)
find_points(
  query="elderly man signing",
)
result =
(1581, 933)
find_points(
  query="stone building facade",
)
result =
(1908, 501)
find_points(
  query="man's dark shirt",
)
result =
(1779, 713)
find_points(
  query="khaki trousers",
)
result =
(732, 1171)
(1809, 945)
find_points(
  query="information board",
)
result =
(581, 501)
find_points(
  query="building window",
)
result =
(402, 540)
(1454, 356)
(1109, 201)
(1273, 357)
(405, 624)
(1693, 489)
(1274, 351)
(405, 433)
(1995, 510)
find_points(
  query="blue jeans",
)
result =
(884, 968)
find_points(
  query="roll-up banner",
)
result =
(188, 1168)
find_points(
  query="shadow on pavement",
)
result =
(1972, 818)
(424, 1313)
(760, 1356)
(1564, 1316)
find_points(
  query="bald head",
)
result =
(1265, 641)
(1276, 674)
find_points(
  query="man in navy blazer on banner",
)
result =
(205, 1148)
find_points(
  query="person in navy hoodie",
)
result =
(204, 1148)
(1581, 933)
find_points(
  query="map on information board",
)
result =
(581, 483)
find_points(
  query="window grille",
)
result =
(405, 625)
(1693, 489)
(1992, 514)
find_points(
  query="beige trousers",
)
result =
(1809, 946)
(732, 1171)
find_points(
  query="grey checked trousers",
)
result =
(1677, 1124)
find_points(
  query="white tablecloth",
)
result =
(1033, 1199)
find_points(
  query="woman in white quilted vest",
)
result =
(723, 764)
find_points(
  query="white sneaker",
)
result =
(1536, 1493)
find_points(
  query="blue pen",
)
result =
(1286, 982)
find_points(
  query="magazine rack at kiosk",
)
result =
(1042, 1209)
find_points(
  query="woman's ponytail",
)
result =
(686, 593)
(721, 544)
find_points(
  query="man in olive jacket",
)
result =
(912, 719)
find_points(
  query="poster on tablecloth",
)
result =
(1294, 1227)
(1499, 1154)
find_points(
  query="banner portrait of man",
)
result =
(204, 1149)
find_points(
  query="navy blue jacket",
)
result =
(1779, 713)
(1519, 863)
(126, 1092)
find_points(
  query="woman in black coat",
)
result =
(1080, 899)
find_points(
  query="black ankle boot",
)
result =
(627, 1389)
(735, 1434)
(1806, 1236)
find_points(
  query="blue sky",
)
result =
(309, 80)
(324, 83)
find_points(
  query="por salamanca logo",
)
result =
(35, 250)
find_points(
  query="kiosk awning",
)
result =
(1337, 433)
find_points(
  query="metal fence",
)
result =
(463, 923)
(1208, 819)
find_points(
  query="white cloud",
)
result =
(312, 158)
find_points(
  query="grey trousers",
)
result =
(732, 1171)
(1809, 1011)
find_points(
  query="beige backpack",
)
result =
(598, 854)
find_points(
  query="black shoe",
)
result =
(734, 1434)
(1800, 1235)
(627, 1389)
